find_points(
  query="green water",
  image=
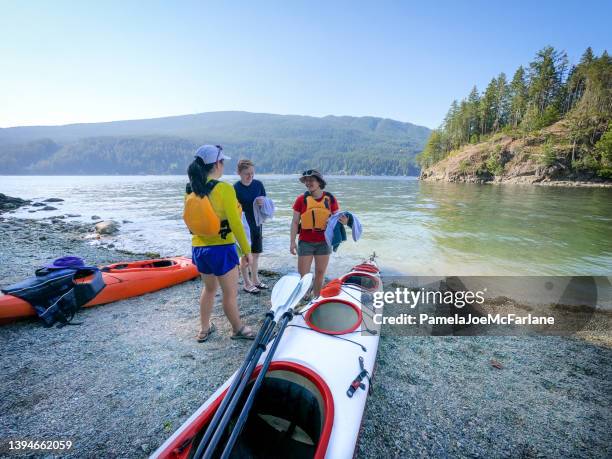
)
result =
(446, 228)
(414, 227)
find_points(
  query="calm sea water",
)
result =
(414, 228)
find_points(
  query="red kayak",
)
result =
(122, 280)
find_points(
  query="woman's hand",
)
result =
(343, 219)
(247, 259)
(292, 248)
(260, 201)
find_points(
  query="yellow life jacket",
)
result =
(199, 215)
(317, 212)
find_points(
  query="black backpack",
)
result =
(54, 294)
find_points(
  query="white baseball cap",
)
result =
(211, 153)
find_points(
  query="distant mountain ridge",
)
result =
(278, 143)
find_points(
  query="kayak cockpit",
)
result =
(334, 316)
(292, 416)
(287, 419)
(366, 281)
(140, 265)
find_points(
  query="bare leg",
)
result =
(244, 269)
(229, 287)
(207, 300)
(304, 264)
(253, 268)
(321, 262)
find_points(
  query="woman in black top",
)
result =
(248, 190)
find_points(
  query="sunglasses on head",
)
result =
(220, 149)
(308, 172)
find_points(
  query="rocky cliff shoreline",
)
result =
(543, 158)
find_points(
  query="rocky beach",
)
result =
(123, 380)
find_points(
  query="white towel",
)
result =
(334, 220)
(264, 212)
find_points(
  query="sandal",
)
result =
(244, 333)
(253, 290)
(262, 286)
(201, 337)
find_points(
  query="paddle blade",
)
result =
(283, 289)
(305, 284)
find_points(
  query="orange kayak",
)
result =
(122, 280)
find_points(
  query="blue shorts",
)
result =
(215, 259)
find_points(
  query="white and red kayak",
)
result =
(313, 396)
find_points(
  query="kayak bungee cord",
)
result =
(361, 288)
(363, 348)
(289, 290)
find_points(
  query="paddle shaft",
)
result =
(287, 316)
(233, 401)
(268, 323)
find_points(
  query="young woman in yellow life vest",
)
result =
(311, 211)
(213, 216)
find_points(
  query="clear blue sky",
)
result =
(85, 61)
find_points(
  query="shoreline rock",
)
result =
(518, 181)
(107, 227)
(9, 203)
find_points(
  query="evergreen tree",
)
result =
(518, 97)
(501, 103)
(434, 150)
(592, 114)
(546, 75)
(463, 123)
(450, 138)
(576, 80)
(473, 115)
(487, 107)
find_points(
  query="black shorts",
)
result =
(256, 239)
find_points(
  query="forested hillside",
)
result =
(277, 143)
(551, 120)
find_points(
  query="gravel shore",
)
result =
(442, 397)
(121, 382)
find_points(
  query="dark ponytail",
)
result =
(198, 174)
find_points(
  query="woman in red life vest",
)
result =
(311, 211)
